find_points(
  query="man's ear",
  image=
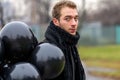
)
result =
(55, 21)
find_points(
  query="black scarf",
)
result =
(55, 33)
(67, 43)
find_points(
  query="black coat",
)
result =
(67, 43)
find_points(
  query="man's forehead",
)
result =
(70, 15)
(69, 11)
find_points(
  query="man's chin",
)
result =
(73, 34)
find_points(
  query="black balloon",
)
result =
(18, 40)
(49, 59)
(1, 57)
(22, 71)
(1, 78)
(1, 53)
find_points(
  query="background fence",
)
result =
(90, 34)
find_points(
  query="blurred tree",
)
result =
(108, 12)
(1, 15)
(7, 12)
(82, 14)
(38, 11)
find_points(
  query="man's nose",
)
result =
(73, 22)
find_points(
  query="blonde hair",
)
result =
(56, 11)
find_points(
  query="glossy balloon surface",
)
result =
(49, 59)
(18, 40)
(1, 78)
(1, 51)
(22, 71)
(1, 57)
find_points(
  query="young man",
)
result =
(62, 32)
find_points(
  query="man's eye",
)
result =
(76, 19)
(67, 19)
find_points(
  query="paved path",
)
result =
(91, 77)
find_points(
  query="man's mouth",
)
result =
(72, 30)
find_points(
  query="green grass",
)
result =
(105, 53)
(102, 56)
(113, 75)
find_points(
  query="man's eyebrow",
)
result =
(68, 16)
(71, 16)
(77, 16)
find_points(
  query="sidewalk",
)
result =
(91, 77)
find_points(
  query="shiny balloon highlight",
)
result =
(22, 57)
(49, 59)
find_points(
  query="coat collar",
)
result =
(58, 35)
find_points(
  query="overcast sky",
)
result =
(90, 5)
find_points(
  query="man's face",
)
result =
(69, 20)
